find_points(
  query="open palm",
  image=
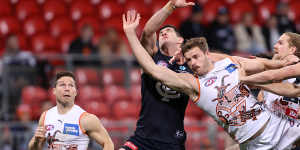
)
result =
(131, 20)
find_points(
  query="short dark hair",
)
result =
(199, 42)
(63, 74)
(171, 26)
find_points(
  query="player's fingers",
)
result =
(190, 4)
(138, 18)
(124, 19)
(128, 16)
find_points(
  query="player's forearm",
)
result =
(259, 78)
(109, 145)
(284, 89)
(272, 64)
(154, 23)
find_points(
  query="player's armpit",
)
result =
(95, 130)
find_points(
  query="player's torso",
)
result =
(284, 107)
(63, 132)
(163, 109)
(230, 103)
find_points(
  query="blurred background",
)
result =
(41, 37)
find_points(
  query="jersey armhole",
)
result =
(198, 83)
(81, 128)
(234, 60)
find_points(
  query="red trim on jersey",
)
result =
(196, 100)
(83, 114)
(131, 145)
(44, 118)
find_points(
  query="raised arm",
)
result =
(272, 75)
(148, 38)
(179, 82)
(95, 130)
(38, 140)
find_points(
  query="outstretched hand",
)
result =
(182, 3)
(131, 20)
(291, 59)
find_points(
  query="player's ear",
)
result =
(181, 39)
(54, 91)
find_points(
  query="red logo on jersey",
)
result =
(49, 127)
(131, 145)
(210, 81)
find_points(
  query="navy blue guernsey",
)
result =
(162, 113)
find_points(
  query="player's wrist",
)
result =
(171, 6)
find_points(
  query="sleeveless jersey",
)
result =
(162, 113)
(230, 103)
(64, 131)
(285, 110)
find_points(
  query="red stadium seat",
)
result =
(61, 26)
(65, 41)
(156, 5)
(43, 43)
(24, 111)
(265, 10)
(112, 76)
(79, 9)
(54, 8)
(27, 8)
(92, 21)
(139, 7)
(99, 109)
(9, 25)
(34, 25)
(135, 93)
(295, 10)
(238, 9)
(89, 93)
(23, 42)
(194, 111)
(33, 94)
(87, 76)
(210, 10)
(115, 23)
(5, 8)
(109, 9)
(135, 76)
(112, 93)
(124, 109)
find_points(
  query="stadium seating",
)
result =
(34, 25)
(238, 9)
(123, 109)
(81, 9)
(5, 8)
(92, 21)
(8, 25)
(109, 9)
(97, 108)
(112, 93)
(265, 10)
(87, 76)
(54, 8)
(295, 10)
(65, 41)
(88, 93)
(33, 94)
(26, 8)
(43, 43)
(112, 76)
(210, 10)
(61, 26)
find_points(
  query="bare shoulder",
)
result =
(88, 121)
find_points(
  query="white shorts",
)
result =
(278, 135)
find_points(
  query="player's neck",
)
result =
(170, 49)
(64, 108)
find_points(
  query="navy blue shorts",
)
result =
(139, 143)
